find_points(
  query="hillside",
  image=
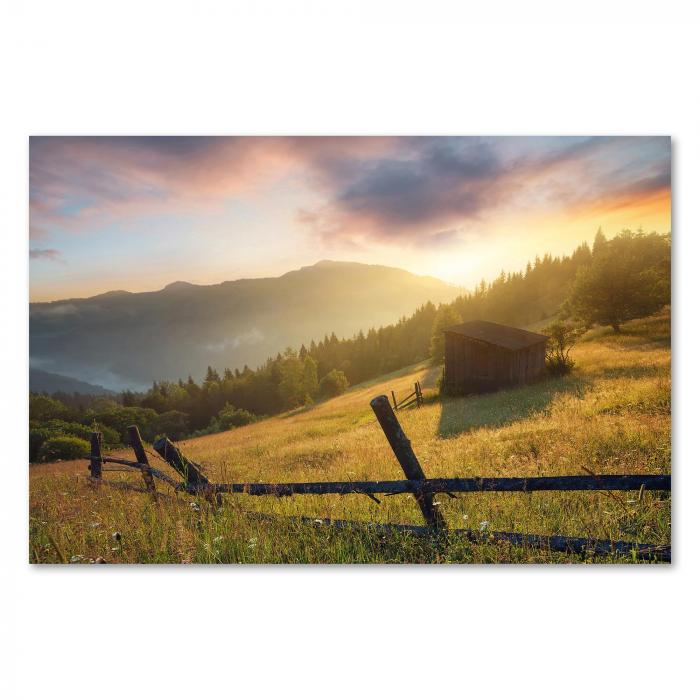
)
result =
(612, 415)
(120, 339)
(49, 383)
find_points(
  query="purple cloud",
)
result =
(46, 254)
(431, 185)
(402, 190)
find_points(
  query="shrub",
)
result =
(119, 418)
(562, 337)
(62, 427)
(171, 423)
(333, 384)
(231, 417)
(63, 447)
(37, 437)
(43, 407)
(40, 432)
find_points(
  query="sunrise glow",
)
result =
(138, 213)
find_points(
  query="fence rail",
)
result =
(529, 484)
(421, 488)
(414, 398)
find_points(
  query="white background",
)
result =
(348, 68)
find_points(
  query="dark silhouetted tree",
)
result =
(445, 317)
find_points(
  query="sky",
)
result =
(137, 213)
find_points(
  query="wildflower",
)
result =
(219, 538)
(194, 506)
(484, 525)
(76, 558)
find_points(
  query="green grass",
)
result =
(612, 415)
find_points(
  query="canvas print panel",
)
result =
(345, 349)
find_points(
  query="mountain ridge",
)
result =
(41, 382)
(184, 284)
(127, 340)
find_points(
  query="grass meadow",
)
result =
(611, 415)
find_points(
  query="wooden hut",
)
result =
(481, 356)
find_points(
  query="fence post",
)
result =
(141, 458)
(406, 457)
(172, 455)
(393, 396)
(419, 396)
(96, 455)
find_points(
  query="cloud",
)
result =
(439, 181)
(412, 191)
(46, 254)
(78, 183)
(433, 185)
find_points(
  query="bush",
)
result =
(333, 384)
(171, 423)
(62, 427)
(63, 447)
(231, 417)
(557, 366)
(37, 437)
(562, 337)
(119, 418)
(40, 432)
(43, 407)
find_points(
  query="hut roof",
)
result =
(497, 334)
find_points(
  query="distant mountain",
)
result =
(41, 382)
(122, 339)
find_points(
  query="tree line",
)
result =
(615, 280)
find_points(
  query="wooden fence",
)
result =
(414, 398)
(423, 490)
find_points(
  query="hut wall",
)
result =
(529, 363)
(472, 366)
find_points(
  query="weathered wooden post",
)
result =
(419, 396)
(96, 455)
(393, 397)
(406, 457)
(141, 458)
(189, 470)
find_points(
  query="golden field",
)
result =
(611, 415)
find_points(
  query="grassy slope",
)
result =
(612, 415)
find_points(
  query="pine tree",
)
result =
(599, 242)
(446, 316)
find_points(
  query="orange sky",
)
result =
(138, 213)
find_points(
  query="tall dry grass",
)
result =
(612, 415)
